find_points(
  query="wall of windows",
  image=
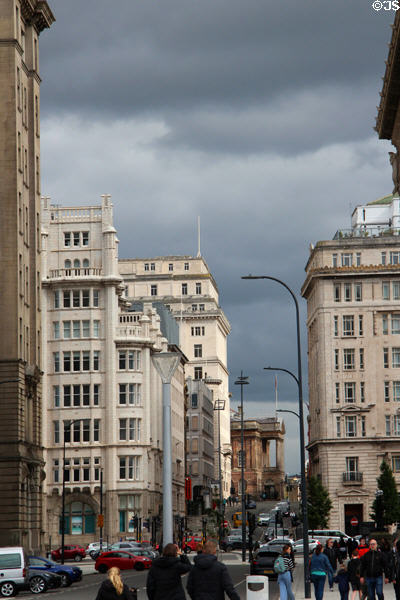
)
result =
(76, 329)
(76, 361)
(86, 298)
(84, 430)
(84, 394)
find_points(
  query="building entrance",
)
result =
(353, 517)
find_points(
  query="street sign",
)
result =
(354, 521)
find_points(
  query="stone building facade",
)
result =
(352, 290)
(186, 286)
(101, 392)
(260, 476)
(21, 456)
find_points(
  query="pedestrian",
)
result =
(209, 579)
(353, 570)
(373, 566)
(199, 547)
(332, 555)
(319, 568)
(351, 545)
(386, 548)
(362, 547)
(164, 578)
(342, 579)
(396, 569)
(113, 588)
(342, 549)
(285, 579)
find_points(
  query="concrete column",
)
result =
(280, 458)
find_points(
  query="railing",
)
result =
(90, 213)
(78, 272)
(129, 331)
(364, 231)
(352, 477)
(130, 318)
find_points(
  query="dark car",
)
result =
(122, 560)
(68, 574)
(40, 581)
(232, 542)
(263, 563)
(251, 504)
(70, 552)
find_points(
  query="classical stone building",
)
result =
(186, 286)
(260, 476)
(21, 456)
(101, 391)
(353, 319)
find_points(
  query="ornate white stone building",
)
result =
(352, 290)
(186, 286)
(99, 374)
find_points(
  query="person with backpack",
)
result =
(284, 566)
(320, 567)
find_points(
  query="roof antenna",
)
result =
(198, 238)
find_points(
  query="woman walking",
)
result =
(353, 569)
(285, 579)
(319, 568)
(164, 578)
(113, 588)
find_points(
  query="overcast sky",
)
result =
(256, 115)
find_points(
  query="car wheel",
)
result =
(102, 569)
(37, 585)
(65, 579)
(139, 566)
(77, 558)
(229, 549)
(8, 589)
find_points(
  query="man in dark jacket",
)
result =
(209, 579)
(164, 578)
(373, 565)
(332, 554)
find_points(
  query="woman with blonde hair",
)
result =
(114, 588)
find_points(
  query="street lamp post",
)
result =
(166, 364)
(218, 406)
(63, 487)
(379, 510)
(299, 380)
(242, 380)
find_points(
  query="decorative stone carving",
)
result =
(395, 162)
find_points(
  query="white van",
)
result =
(13, 570)
(323, 535)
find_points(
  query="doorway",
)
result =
(353, 513)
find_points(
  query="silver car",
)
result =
(312, 544)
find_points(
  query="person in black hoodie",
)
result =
(164, 578)
(113, 588)
(209, 579)
(332, 554)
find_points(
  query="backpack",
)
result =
(279, 565)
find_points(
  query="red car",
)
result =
(122, 560)
(70, 552)
(190, 543)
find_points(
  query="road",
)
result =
(87, 588)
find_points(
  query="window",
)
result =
(198, 330)
(361, 358)
(56, 396)
(396, 464)
(338, 430)
(336, 360)
(395, 320)
(146, 267)
(56, 330)
(362, 391)
(349, 392)
(86, 430)
(358, 259)
(122, 393)
(86, 329)
(67, 395)
(96, 329)
(135, 394)
(387, 425)
(348, 325)
(396, 425)
(57, 299)
(186, 266)
(395, 258)
(76, 328)
(67, 361)
(76, 299)
(170, 267)
(198, 288)
(122, 429)
(76, 238)
(335, 326)
(85, 238)
(134, 430)
(122, 360)
(198, 350)
(385, 291)
(152, 266)
(77, 395)
(198, 372)
(96, 298)
(202, 307)
(386, 391)
(96, 394)
(96, 430)
(85, 360)
(194, 307)
(347, 292)
(184, 289)
(194, 401)
(395, 358)
(337, 393)
(358, 292)
(383, 258)
(363, 427)
(334, 260)
(336, 292)
(386, 358)
(76, 429)
(360, 325)
(348, 359)
(67, 238)
(96, 360)
(56, 429)
(85, 298)
(86, 394)
(351, 426)
(352, 466)
(153, 290)
(66, 299)
(347, 259)
(396, 391)
(76, 361)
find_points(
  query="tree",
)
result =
(318, 504)
(386, 506)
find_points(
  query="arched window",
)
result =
(77, 264)
(67, 266)
(85, 265)
(79, 519)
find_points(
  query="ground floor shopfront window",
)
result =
(79, 519)
(129, 507)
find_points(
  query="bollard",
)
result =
(257, 587)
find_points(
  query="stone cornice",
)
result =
(37, 13)
(390, 94)
(352, 409)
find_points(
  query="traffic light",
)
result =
(188, 488)
(100, 521)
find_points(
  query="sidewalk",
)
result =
(298, 586)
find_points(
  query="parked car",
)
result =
(263, 519)
(142, 552)
(312, 544)
(121, 559)
(237, 519)
(251, 504)
(40, 581)
(125, 545)
(276, 545)
(232, 542)
(323, 535)
(75, 553)
(68, 574)
(263, 562)
(190, 543)
(13, 570)
(94, 548)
